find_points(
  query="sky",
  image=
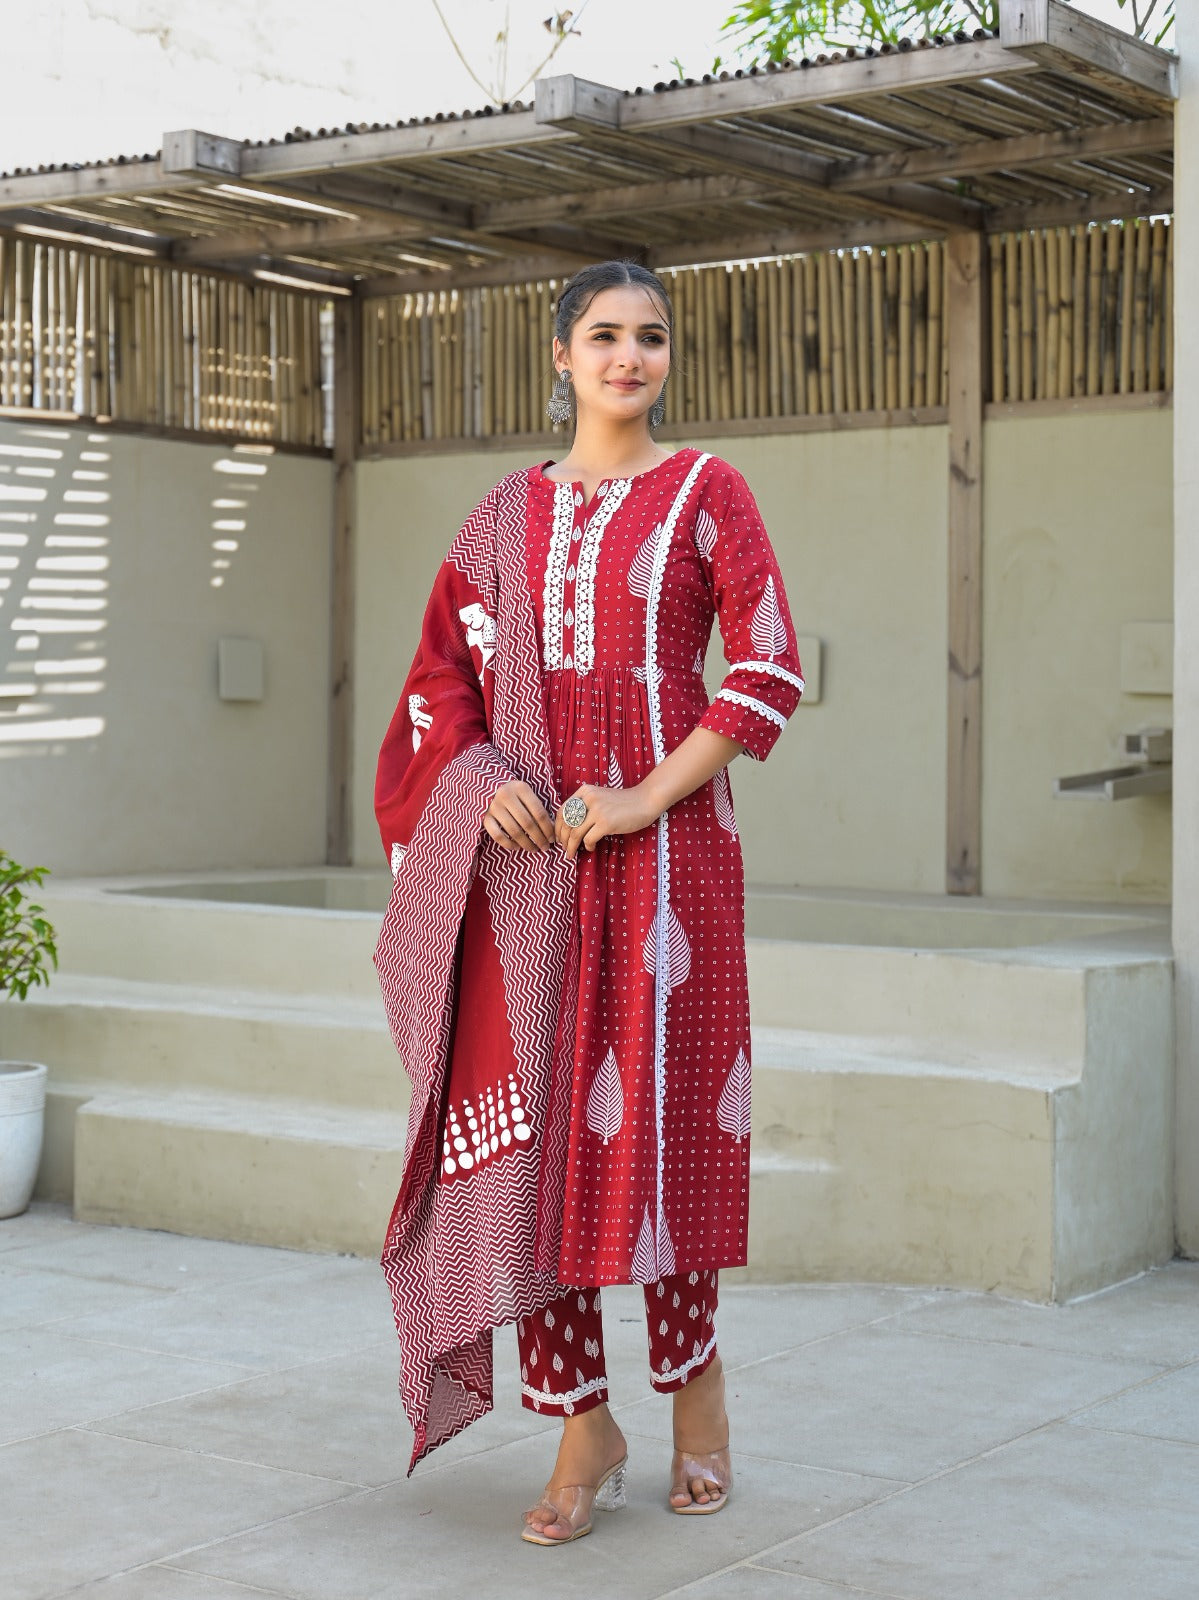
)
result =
(86, 80)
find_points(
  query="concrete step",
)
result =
(234, 1166)
(852, 1184)
(105, 1032)
(1025, 1007)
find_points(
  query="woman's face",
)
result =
(619, 353)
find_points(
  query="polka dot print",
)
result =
(658, 1165)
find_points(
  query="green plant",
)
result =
(27, 940)
(775, 29)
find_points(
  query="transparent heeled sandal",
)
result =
(574, 1503)
(713, 1466)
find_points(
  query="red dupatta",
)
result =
(462, 1258)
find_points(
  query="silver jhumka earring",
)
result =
(557, 407)
(658, 410)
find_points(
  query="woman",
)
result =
(563, 958)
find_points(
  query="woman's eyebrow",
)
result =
(618, 325)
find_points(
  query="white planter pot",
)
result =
(22, 1118)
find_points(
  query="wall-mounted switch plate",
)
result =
(240, 669)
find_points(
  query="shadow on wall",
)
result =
(56, 550)
(54, 565)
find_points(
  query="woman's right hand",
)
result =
(517, 820)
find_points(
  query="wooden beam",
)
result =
(787, 242)
(763, 160)
(521, 269)
(88, 183)
(1005, 155)
(576, 103)
(189, 153)
(1065, 40)
(838, 83)
(965, 310)
(341, 152)
(72, 231)
(347, 400)
(306, 238)
(1093, 208)
(627, 199)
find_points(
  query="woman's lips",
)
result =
(625, 383)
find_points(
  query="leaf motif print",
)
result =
(642, 675)
(706, 533)
(723, 797)
(641, 569)
(643, 1267)
(732, 1109)
(678, 950)
(420, 717)
(615, 775)
(768, 632)
(605, 1100)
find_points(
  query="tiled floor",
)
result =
(182, 1419)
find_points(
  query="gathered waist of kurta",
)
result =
(601, 723)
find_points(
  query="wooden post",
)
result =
(347, 375)
(965, 308)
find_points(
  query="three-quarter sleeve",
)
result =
(764, 682)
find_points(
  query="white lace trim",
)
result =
(773, 668)
(593, 535)
(539, 1397)
(672, 1374)
(398, 851)
(759, 706)
(555, 572)
(652, 681)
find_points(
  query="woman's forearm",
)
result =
(700, 756)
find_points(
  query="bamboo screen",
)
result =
(110, 338)
(1074, 312)
(1082, 311)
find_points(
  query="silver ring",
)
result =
(574, 812)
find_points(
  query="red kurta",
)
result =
(646, 1120)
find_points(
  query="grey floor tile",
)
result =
(1166, 1408)
(157, 1260)
(100, 1505)
(751, 1582)
(44, 1222)
(900, 1405)
(60, 1381)
(159, 1582)
(446, 1532)
(329, 1305)
(340, 1418)
(30, 1296)
(1067, 1513)
(1152, 1318)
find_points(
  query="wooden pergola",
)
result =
(1056, 119)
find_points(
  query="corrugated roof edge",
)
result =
(299, 135)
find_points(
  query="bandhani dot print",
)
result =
(658, 1165)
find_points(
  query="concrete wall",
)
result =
(1077, 542)
(1186, 644)
(123, 757)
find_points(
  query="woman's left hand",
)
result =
(608, 811)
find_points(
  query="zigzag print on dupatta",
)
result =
(459, 1258)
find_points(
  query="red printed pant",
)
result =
(562, 1367)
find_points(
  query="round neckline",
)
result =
(634, 477)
